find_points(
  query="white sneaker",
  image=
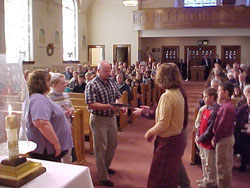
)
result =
(207, 185)
(202, 184)
(201, 181)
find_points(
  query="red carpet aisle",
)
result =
(133, 156)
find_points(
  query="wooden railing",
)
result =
(182, 18)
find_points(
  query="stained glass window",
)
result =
(199, 3)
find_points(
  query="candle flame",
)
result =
(9, 109)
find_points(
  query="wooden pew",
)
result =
(78, 136)
(123, 118)
(134, 102)
(193, 144)
(154, 94)
(148, 94)
(76, 95)
(80, 104)
(143, 93)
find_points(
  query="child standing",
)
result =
(204, 137)
(223, 139)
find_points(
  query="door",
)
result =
(230, 54)
(122, 53)
(96, 53)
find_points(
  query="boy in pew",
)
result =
(223, 139)
(204, 136)
(80, 88)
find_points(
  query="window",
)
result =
(70, 39)
(17, 30)
(199, 3)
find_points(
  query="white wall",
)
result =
(47, 15)
(111, 23)
(244, 42)
(2, 45)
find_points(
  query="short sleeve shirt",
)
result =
(97, 91)
(43, 108)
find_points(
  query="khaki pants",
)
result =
(224, 161)
(209, 164)
(203, 161)
(105, 141)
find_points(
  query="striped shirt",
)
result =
(62, 99)
(97, 91)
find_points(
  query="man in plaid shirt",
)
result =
(100, 94)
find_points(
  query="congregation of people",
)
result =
(222, 124)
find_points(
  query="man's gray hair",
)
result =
(216, 81)
(246, 89)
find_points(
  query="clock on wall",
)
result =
(200, 42)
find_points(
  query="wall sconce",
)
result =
(130, 3)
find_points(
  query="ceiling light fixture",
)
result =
(131, 3)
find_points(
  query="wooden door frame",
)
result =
(178, 52)
(122, 46)
(97, 46)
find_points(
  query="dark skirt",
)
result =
(165, 165)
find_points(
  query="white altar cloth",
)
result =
(60, 175)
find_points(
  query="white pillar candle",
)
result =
(12, 138)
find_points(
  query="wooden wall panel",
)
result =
(181, 18)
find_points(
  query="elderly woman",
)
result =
(169, 143)
(60, 97)
(47, 125)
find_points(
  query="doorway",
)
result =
(122, 53)
(96, 53)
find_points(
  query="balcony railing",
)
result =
(182, 18)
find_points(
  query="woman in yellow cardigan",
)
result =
(169, 142)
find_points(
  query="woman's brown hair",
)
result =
(168, 76)
(37, 82)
